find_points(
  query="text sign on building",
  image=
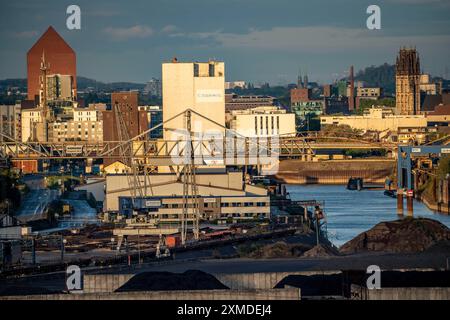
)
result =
(416, 150)
(209, 95)
(209, 200)
(445, 150)
(152, 203)
(74, 150)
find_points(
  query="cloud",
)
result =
(169, 29)
(25, 34)
(137, 31)
(316, 39)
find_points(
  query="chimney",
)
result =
(351, 101)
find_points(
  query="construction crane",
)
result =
(126, 152)
(190, 191)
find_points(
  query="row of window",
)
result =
(272, 121)
(215, 205)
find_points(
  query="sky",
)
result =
(259, 40)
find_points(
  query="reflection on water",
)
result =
(352, 212)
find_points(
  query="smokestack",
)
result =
(351, 101)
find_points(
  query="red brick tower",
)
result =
(58, 54)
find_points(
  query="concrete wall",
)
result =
(273, 294)
(361, 293)
(99, 283)
(261, 280)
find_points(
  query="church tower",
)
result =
(407, 82)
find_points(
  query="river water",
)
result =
(351, 212)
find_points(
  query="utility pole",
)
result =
(45, 67)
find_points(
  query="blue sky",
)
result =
(259, 40)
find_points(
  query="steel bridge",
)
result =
(231, 148)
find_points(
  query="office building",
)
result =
(154, 118)
(59, 88)
(10, 122)
(85, 125)
(153, 88)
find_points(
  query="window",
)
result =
(271, 118)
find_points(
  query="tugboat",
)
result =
(355, 184)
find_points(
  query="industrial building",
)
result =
(123, 121)
(199, 86)
(221, 195)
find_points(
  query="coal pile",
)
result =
(314, 285)
(320, 251)
(160, 281)
(401, 236)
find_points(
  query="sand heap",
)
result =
(407, 235)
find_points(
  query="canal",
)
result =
(352, 212)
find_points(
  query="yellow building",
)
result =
(376, 119)
(117, 167)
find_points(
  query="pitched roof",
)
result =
(52, 41)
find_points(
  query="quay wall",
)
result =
(411, 293)
(334, 171)
(270, 294)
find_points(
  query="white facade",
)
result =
(376, 119)
(263, 121)
(29, 119)
(85, 114)
(196, 86)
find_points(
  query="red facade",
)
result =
(135, 121)
(58, 54)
